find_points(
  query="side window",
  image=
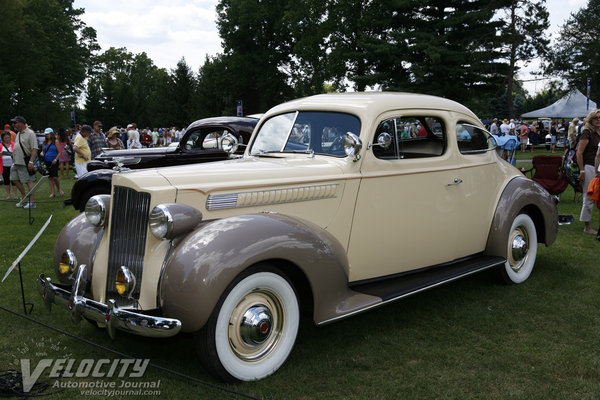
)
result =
(472, 139)
(409, 137)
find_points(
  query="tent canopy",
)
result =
(573, 104)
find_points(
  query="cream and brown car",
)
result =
(341, 203)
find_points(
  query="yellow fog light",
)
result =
(124, 282)
(67, 263)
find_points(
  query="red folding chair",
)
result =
(548, 172)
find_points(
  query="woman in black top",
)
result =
(586, 154)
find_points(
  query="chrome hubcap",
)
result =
(256, 325)
(519, 248)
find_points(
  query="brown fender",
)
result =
(203, 264)
(522, 195)
(83, 239)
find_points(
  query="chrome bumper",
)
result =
(109, 314)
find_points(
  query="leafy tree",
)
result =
(576, 53)
(523, 37)
(48, 47)
(183, 94)
(256, 45)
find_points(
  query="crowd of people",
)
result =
(531, 134)
(21, 148)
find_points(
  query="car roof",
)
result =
(364, 104)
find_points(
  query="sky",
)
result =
(168, 30)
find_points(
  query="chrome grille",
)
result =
(129, 225)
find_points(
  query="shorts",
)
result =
(6, 175)
(523, 140)
(52, 169)
(21, 173)
(552, 139)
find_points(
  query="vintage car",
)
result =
(201, 143)
(341, 203)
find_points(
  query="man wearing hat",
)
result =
(97, 140)
(24, 154)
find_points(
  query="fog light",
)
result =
(124, 282)
(67, 263)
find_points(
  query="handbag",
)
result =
(26, 159)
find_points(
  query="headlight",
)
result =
(170, 220)
(67, 263)
(96, 209)
(161, 222)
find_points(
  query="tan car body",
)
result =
(330, 223)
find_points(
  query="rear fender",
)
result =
(522, 195)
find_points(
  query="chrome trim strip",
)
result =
(111, 315)
(271, 196)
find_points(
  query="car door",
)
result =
(482, 177)
(406, 211)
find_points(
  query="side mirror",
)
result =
(384, 140)
(229, 143)
(352, 145)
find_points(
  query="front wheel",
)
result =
(521, 249)
(252, 329)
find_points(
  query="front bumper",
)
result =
(109, 314)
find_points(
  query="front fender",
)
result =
(199, 269)
(522, 195)
(83, 239)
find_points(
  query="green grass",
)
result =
(471, 339)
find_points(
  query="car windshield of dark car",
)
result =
(305, 132)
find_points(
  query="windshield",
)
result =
(305, 132)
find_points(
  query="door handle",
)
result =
(457, 181)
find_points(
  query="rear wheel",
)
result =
(521, 249)
(252, 329)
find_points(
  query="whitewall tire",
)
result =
(521, 250)
(253, 327)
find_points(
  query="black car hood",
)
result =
(150, 151)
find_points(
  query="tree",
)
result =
(183, 94)
(576, 53)
(256, 45)
(48, 47)
(523, 37)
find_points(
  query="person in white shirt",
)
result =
(504, 128)
(133, 137)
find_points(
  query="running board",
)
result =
(417, 281)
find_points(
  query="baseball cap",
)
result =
(129, 126)
(6, 126)
(19, 119)
(97, 123)
(48, 130)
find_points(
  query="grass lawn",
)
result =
(471, 339)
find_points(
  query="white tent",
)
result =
(573, 104)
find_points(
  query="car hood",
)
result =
(150, 151)
(192, 184)
(251, 172)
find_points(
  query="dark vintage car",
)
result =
(201, 143)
